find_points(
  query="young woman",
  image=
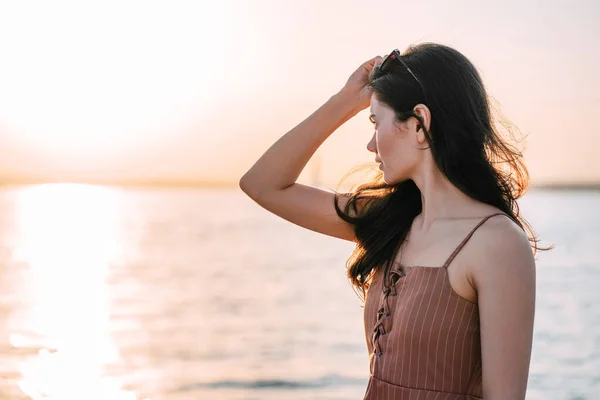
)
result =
(443, 258)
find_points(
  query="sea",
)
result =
(113, 293)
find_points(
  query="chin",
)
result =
(393, 180)
(389, 181)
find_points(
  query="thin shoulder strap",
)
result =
(465, 240)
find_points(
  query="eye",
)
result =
(373, 122)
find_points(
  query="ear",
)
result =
(423, 112)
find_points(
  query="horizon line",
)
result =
(161, 183)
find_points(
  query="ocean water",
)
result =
(180, 294)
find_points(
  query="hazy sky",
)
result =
(197, 90)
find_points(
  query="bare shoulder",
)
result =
(501, 249)
(504, 278)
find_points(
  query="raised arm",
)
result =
(271, 181)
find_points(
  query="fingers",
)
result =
(369, 66)
(373, 62)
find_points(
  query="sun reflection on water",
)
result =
(68, 234)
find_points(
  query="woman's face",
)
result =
(395, 144)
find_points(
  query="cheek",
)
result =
(406, 161)
(385, 142)
(388, 144)
(397, 154)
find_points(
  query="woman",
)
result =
(442, 255)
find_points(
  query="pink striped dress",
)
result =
(423, 338)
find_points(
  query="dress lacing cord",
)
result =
(389, 289)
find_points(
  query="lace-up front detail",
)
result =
(423, 338)
(384, 312)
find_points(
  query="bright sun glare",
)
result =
(89, 78)
(68, 235)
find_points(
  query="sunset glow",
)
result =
(97, 78)
(196, 91)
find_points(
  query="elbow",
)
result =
(244, 184)
(247, 187)
(257, 187)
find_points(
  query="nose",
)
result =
(372, 145)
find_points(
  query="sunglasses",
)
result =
(393, 59)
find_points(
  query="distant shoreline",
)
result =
(567, 186)
(210, 184)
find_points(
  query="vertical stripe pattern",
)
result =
(423, 338)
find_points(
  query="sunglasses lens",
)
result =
(390, 60)
(394, 58)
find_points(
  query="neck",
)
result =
(439, 197)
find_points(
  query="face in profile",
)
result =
(395, 144)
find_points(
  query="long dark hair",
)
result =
(466, 143)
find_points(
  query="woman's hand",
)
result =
(356, 90)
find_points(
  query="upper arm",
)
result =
(505, 287)
(309, 207)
